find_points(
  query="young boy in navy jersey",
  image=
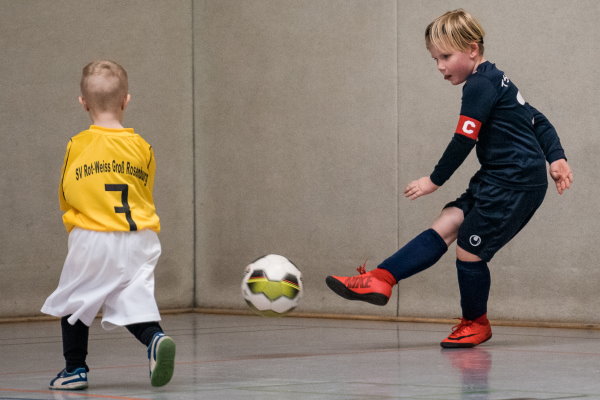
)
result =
(513, 142)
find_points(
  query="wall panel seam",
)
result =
(194, 184)
(397, 21)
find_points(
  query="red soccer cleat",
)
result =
(469, 333)
(374, 287)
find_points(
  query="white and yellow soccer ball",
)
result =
(272, 286)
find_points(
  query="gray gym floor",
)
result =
(246, 357)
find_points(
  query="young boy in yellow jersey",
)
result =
(106, 195)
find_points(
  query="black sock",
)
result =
(144, 331)
(417, 255)
(474, 283)
(75, 344)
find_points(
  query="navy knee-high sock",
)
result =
(417, 255)
(474, 283)
(75, 343)
(144, 332)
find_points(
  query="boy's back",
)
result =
(107, 181)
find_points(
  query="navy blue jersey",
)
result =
(513, 140)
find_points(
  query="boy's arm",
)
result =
(555, 155)
(457, 151)
(546, 136)
(151, 168)
(479, 98)
(62, 201)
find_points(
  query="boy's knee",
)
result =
(464, 255)
(448, 223)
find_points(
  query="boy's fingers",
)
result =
(563, 184)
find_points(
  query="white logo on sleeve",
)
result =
(475, 240)
(520, 98)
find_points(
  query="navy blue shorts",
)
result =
(493, 216)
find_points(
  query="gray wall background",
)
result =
(292, 127)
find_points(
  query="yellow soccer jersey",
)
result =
(107, 181)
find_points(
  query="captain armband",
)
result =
(468, 127)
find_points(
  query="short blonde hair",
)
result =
(454, 30)
(104, 85)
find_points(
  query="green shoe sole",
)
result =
(165, 363)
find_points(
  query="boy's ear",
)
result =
(83, 103)
(474, 50)
(125, 101)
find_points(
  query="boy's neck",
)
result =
(107, 120)
(478, 63)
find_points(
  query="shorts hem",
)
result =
(110, 323)
(482, 253)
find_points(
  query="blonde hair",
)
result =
(454, 30)
(104, 85)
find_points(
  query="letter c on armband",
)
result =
(468, 127)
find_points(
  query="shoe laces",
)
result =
(362, 269)
(463, 323)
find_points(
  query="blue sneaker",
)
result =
(161, 354)
(75, 380)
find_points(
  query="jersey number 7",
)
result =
(124, 189)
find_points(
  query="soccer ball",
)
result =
(272, 286)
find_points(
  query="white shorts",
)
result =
(112, 271)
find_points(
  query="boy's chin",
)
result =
(456, 82)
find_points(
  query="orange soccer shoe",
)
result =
(374, 287)
(469, 333)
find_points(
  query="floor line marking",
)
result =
(75, 394)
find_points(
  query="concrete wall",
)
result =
(292, 127)
(312, 116)
(44, 46)
(297, 140)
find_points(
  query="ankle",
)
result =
(70, 369)
(384, 275)
(482, 319)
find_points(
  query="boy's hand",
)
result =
(419, 188)
(562, 175)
